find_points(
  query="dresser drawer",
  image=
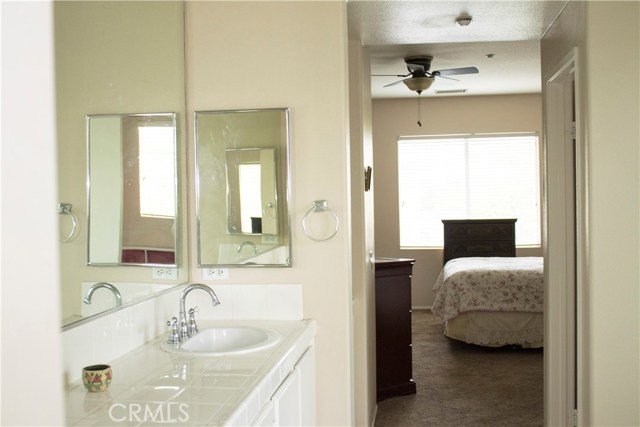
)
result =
(479, 231)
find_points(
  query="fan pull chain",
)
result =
(419, 112)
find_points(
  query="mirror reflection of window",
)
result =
(250, 197)
(157, 155)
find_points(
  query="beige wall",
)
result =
(613, 140)
(31, 344)
(290, 54)
(453, 115)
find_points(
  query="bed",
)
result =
(490, 300)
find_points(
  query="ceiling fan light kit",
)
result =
(418, 84)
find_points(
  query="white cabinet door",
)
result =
(267, 417)
(306, 369)
(295, 399)
(287, 401)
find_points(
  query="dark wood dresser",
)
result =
(393, 327)
(479, 237)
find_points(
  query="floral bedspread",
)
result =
(489, 284)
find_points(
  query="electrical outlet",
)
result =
(165, 273)
(215, 273)
(268, 239)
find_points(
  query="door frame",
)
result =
(564, 244)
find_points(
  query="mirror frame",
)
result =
(176, 233)
(287, 187)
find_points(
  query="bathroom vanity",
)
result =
(268, 387)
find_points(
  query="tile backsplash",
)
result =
(113, 335)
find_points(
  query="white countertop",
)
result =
(153, 387)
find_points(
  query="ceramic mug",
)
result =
(96, 377)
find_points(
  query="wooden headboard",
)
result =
(479, 237)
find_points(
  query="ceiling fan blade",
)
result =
(455, 71)
(394, 83)
(390, 75)
(443, 77)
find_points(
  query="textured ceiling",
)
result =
(510, 30)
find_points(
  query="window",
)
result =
(496, 176)
(250, 197)
(157, 156)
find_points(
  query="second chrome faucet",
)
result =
(109, 286)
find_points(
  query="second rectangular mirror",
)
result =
(132, 189)
(242, 162)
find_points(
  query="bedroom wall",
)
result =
(451, 115)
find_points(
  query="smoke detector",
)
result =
(464, 20)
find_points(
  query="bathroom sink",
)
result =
(223, 340)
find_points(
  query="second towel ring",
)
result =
(65, 209)
(320, 206)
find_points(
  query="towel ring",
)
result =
(320, 206)
(65, 209)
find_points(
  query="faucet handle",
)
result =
(193, 327)
(173, 338)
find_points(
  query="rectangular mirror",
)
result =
(114, 58)
(242, 178)
(132, 182)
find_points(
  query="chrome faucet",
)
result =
(248, 243)
(187, 331)
(93, 288)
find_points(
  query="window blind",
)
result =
(467, 177)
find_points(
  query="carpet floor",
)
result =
(464, 385)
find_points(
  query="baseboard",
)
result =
(421, 307)
(375, 413)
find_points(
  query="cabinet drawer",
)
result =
(466, 232)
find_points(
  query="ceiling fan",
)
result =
(421, 78)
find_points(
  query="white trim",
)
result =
(375, 415)
(582, 252)
(558, 229)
